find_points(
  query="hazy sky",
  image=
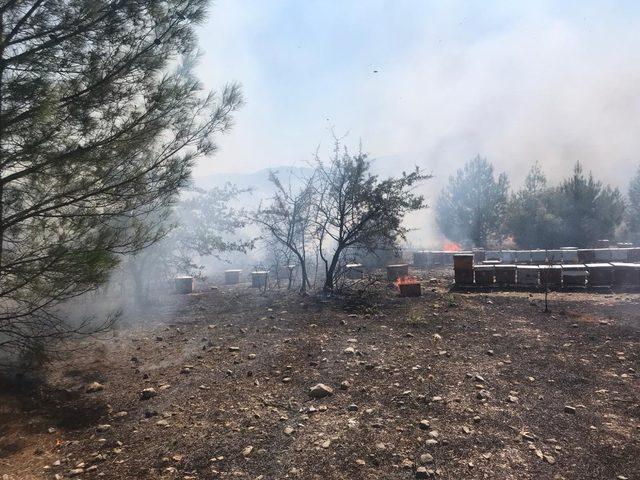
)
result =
(430, 82)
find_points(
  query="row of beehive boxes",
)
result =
(426, 258)
(563, 255)
(614, 274)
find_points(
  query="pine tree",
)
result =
(472, 205)
(101, 120)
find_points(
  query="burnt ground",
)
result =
(490, 372)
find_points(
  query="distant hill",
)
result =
(257, 181)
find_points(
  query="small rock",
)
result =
(103, 427)
(426, 458)
(247, 451)
(424, 424)
(349, 351)
(288, 430)
(549, 459)
(512, 399)
(234, 349)
(94, 387)
(406, 463)
(320, 391)
(148, 393)
(345, 385)
(569, 409)
(422, 472)
(352, 408)
(360, 462)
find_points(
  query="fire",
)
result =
(451, 246)
(405, 280)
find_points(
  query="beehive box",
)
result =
(550, 276)
(538, 256)
(527, 275)
(554, 256)
(259, 279)
(463, 261)
(479, 255)
(505, 274)
(626, 274)
(602, 255)
(492, 255)
(570, 256)
(523, 256)
(183, 284)
(394, 272)
(574, 276)
(600, 274)
(420, 259)
(232, 277)
(484, 275)
(619, 255)
(634, 255)
(508, 256)
(586, 255)
(354, 271)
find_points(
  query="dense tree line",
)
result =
(476, 209)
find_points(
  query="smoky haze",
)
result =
(432, 85)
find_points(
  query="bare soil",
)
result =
(509, 392)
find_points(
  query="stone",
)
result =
(247, 451)
(422, 472)
(234, 349)
(345, 385)
(512, 399)
(426, 458)
(148, 393)
(360, 462)
(349, 351)
(320, 391)
(406, 463)
(570, 409)
(424, 424)
(288, 430)
(94, 387)
(103, 428)
(352, 408)
(549, 459)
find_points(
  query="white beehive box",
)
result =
(538, 256)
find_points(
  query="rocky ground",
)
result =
(450, 385)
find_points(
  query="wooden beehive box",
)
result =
(600, 274)
(232, 277)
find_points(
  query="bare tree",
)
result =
(287, 219)
(355, 209)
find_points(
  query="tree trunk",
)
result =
(329, 281)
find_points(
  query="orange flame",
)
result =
(451, 246)
(406, 279)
